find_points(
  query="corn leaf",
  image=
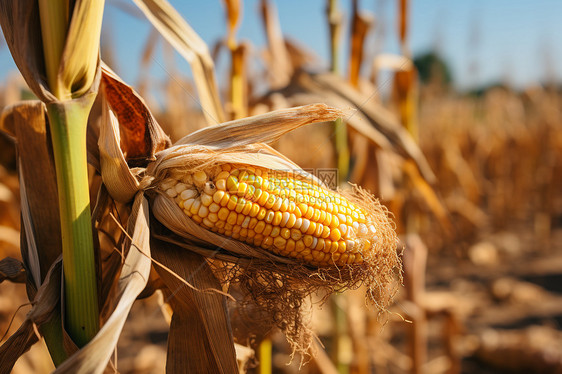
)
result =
(200, 339)
(79, 60)
(45, 307)
(12, 270)
(22, 31)
(36, 168)
(93, 357)
(265, 128)
(191, 47)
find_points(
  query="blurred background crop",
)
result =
(477, 86)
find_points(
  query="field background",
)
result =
(483, 258)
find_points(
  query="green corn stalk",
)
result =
(71, 52)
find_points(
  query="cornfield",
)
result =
(296, 218)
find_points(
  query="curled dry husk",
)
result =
(276, 285)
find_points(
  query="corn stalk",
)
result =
(71, 49)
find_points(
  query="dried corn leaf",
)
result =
(279, 64)
(45, 304)
(94, 357)
(141, 136)
(22, 31)
(186, 41)
(40, 215)
(117, 177)
(361, 23)
(12, 270)
(265, 128)
(200, 339)
(429, 196)
(233, 17)
(379, 124)
(78, 71)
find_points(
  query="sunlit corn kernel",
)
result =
(214, 207)
(263, 198)
(240, 204)
(231, 184)
(335, 222)
(180, 187)
(319, 230)
(327, 246)
(221, 184)
(275, 231)
(232, 217)
(286, 233)
(242, 188)
(240, 219)
(260, 226)
(206, 200)
(195, 206)
(269, 216)
(305, 225)
(255, 210)
(218, 195)
(279, 242)
(270, 202)
(207, 223)
(188, 194)
(290, 246)
(262, 213)
(303, 208)
(188, 203)
(320, 245)
(277, 217)
(342, 218)
(222, 175)
(308, 239)
(232, 202)
(203, 211)
(296, 234)
(298, 223)
(199, 178)
(267, 230)
(247, 208)
(223, 213)
(284, 219)
(309, 213)
(267, 242)
(350, 233)
(253, 222)
(311, 228)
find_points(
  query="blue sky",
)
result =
(511, 40)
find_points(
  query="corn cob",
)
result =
(278, 211)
